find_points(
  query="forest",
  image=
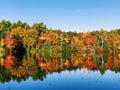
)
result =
(37, 50)
(20, 37)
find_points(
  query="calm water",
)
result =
(91, 74)
(74, 80)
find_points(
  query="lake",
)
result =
(75, 72)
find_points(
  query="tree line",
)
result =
(21, 37)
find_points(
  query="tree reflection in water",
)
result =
(38, 66)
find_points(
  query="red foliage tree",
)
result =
(109, 40)
(38, 57)
(89, 40)
(10, 41)
(109, 62)
(89, 63)
(10, 61)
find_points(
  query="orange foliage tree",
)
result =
(10, 61)
(10, 41)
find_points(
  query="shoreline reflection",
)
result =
(38, 66)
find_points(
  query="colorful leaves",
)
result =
(28, 67)
(38, 46)
(109, 62)
(89, 63)
(109, 40)
(30, 38)
(10, 61)
(2, 42)
(2, 61)
(10, 41)
(38, 57)
(89, 40)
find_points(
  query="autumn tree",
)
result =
(10, 41)
(10, 61)
(29, 39)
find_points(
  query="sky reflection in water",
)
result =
(69, 80)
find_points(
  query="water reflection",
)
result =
(37, 66)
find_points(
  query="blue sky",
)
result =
(67, 15)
